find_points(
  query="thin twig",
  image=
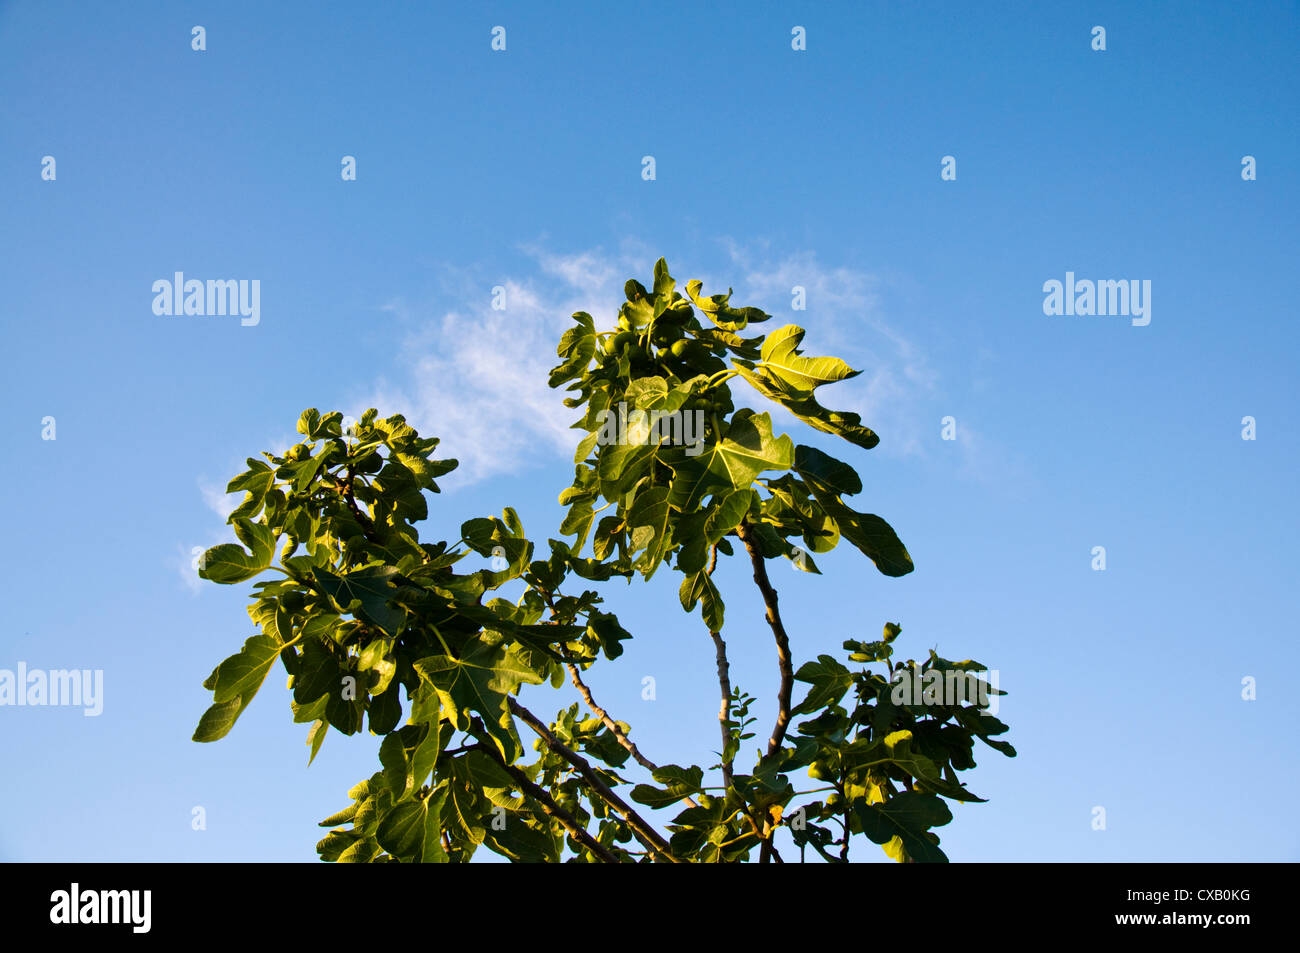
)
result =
(643, 831)
(599, 712)
(613, 727)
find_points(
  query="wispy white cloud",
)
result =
(844, 315)
(986, 461)
(184, 561)
(587, 269)
(217, 499)
(219, 503)
(476, 376)
(185, 558)
(848, 313)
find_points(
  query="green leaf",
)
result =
(578, 523)
(426, 753)
(333, 844)
(605, 627)
(648, 519)
(479, 681)
(770, 542)
(308, 421)
(366, 594)
(646, 393)
(791, 501)
(727, 515)
(306, 472)
(227, 563)
(781, 356)
(392, 755)
(385, 709)
(622, 465)
(362, 852)
(678, 783)
(220, 718)
(255, 483)
(901, 823)
(718, 309)
(494, 783)
(835, 475)
(982, 725)
(522, 842)
(250, 478)
(316, 737)
(664, 283)
(583, 451)
(748, 449)
(868, 532)
(804, 405)
(402, 831)
(896, 748)
(577, 347)
(699, 587)
(464, 807)
(829, 680)
(311, 711)
(478, 532)
(319, 675)
(342, 817)
(244, 672)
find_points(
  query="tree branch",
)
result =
(724, 685)
(548, 805)
(643, 831)
(724, 710)
(599, 712)
(613, 727)
(724, 716)
(844, 848)
(746, 534)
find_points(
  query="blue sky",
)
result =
(775, 168)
